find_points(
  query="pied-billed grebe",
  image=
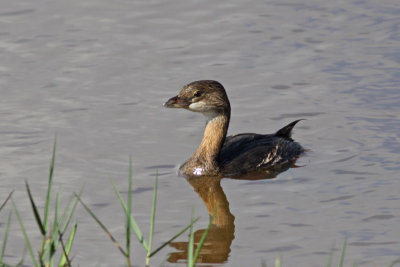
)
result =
(236, 154)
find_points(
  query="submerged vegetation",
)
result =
(58, 235)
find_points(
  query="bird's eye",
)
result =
(197, 94)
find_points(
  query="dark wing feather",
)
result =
(246, 152)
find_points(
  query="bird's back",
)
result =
(243, 153)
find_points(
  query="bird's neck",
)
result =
(206, 155)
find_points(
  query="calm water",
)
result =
(97, 72)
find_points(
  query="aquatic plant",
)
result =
(52, 233)
(193, 255)
(329, 264)
(6, 200)
(132, 225)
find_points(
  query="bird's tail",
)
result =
(286, 132)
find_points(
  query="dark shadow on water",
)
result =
(217, 246)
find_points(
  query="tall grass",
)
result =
(52, 233)
(131, 223)
(6, 200)
(193, 255)
(3, 247)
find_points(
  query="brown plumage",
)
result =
(233, 155)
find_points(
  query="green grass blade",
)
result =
(49, 186)
(63, 219)
(70, 213)
(128, 213)
(191, 244)
(153, 214)
(63, 223)
(71, 239)
(56, 209)
(67, 247)
(331, 255)
(203, 239)
(394, 262)
(343, 253)
(152, 219)
(278, 262)
(51, 242)
(28, 243)
(3, 248)
(35, 210)
(67, 261)
(134, 225)
(56, 229)
(21, 261)
(174, 237)
(5, 201)
(102, 226)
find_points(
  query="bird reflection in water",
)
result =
(245, 156)
(217, 246)
(219, 154)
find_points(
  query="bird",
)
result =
(218, 154)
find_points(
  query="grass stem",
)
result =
(153, 215)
